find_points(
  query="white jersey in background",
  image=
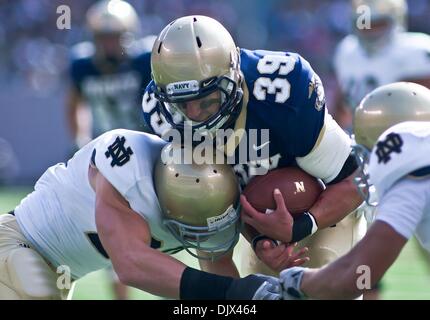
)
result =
(400, 170)
(58, 218)
(407, 56)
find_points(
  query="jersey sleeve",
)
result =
(402, 207)
(327, 158)
(115, 155)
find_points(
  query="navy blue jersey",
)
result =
(113, 98)
(285, 96)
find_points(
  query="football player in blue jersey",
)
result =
(108, 77)
(109, 74)
(202, 79)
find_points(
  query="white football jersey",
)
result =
(400, 150)
(58, 218)
(406, 57)
(399, 168)
(406, 208)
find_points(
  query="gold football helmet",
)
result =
(114, 25)
(112, 16)
(386, 17)
(381, 109)
(195, 59)
(199, 202)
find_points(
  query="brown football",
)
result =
(300, 190)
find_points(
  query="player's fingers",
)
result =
(291, 247)
(248, 209)
(299, 262)
(275, 259)
(248, 219)
(274, 252)
(285, 261)
(299, 253)
(281, 254)
(279, 199)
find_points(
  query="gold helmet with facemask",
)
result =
(115, 26)
(381, 109)
(112, 16)
(199, 200)
(385, 16)
(196, 65)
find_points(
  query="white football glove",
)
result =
(291, 280)
(269, 290)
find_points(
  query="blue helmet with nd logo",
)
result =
(196, 74)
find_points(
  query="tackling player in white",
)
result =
(399, 168)
(104, 207)
(379, 55)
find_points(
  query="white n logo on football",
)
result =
(300, 187)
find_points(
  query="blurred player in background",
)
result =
(109, 74)
(108, 77)
(375, 56)
(399, 168)
(200, 76)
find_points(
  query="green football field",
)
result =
(408, 278)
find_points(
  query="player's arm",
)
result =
(399, 213)
(126, 238)
(332, 161)
(223, 266)
(346, 277)
(336, 202)
(323, 150)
